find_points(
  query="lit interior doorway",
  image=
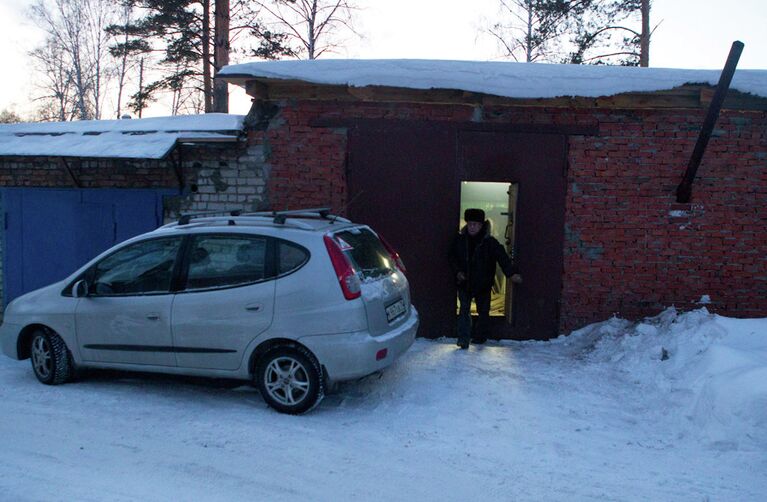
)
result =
(499, 201)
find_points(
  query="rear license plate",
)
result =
(395, 310)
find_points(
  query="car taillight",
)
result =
(394, 255)
(347, 277)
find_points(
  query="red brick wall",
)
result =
(91, 173)
(630, 249)
(308, 163)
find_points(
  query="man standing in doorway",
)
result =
(473, 257)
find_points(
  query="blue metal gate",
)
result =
(49, 233)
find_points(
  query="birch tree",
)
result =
(309, 27)
(76, 41)
(54, 86)
(98, 15)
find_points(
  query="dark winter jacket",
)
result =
(480, 270)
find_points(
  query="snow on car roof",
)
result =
(150, 138)
(499, 78)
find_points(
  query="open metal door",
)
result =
(509, 235)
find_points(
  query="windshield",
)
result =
(365, 252)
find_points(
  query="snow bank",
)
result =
(720, 361)
(508, 79)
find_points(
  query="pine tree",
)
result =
(529, 30)
(612, 32)
(183, 33)
(172, 29)
(130, 50)
(574, 31)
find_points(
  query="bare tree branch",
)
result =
(312, 25)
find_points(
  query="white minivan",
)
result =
(291, 301)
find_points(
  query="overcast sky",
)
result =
(691, 34)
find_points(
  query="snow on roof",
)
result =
(150, 138)
(508, 79)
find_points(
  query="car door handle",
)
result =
(256, 307)
(153, 317)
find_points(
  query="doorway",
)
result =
(499, 202)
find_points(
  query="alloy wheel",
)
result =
(287, 381)
(41, 357)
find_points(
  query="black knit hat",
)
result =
(477, 215)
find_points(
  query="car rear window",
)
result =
(366, 253)
(291, 257)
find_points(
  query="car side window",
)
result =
(142, 268)
(291, 257)
(222, 261)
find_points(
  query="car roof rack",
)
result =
(186, 218)
(280, 217)
(277, 217)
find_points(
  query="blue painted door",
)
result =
(50, 233)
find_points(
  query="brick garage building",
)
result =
(593, 156)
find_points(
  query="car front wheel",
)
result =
(290, 380)
(51, 361)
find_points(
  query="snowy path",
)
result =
(511, 421)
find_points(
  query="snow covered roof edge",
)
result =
(208, 122)
(507, 79)
(150, 138)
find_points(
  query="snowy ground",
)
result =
(595, 416)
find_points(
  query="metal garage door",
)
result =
(405, 180)
(49, 233)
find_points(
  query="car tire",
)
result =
(290, 379)
(51, 359)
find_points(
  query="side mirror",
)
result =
(80, 289)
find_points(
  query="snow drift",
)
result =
(720, 362)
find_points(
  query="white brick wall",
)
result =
(226, 180)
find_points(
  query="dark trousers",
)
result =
(482, 326)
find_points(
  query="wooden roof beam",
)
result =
(689, 96)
